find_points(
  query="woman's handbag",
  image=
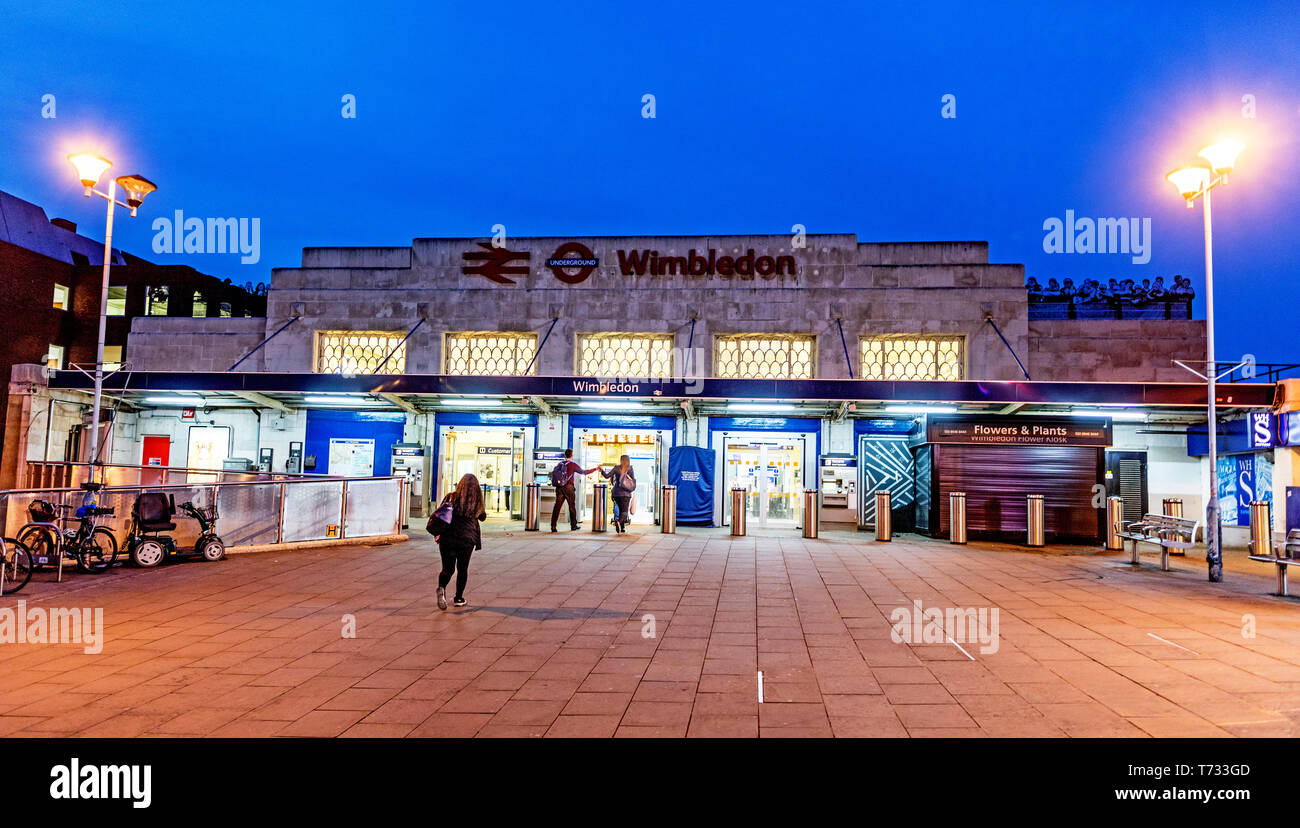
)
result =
(440, 520)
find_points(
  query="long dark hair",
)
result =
(468, 496)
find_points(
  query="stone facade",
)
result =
(162, 343)
(1114, 351)
(929, 288)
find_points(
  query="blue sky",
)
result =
(767, 115)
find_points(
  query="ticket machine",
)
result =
(543, 461)
(838, 480)
(411, 461)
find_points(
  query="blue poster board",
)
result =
(1243, 478)
(690, 469)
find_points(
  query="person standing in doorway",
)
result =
(624, 482)
(461, 537)
(562, 480)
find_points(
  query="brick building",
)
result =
(51, 278)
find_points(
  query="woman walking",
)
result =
(460, 538)
(624, 481)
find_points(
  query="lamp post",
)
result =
(90, 167)
(1193, 182)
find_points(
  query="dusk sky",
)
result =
(767, 115)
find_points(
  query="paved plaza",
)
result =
(584, 635)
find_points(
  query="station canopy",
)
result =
(835, 398)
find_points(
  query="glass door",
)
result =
(516, 496)
(772, 474)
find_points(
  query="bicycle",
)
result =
(93, 547)
(15, 566)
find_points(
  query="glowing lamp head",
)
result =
(90, 166)
(1222, 156)
(1191, 181)
(136, 187)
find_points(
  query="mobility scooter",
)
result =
(153, 513)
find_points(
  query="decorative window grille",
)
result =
(765, 356)
(359, 352)
(913, 357)
(489, 353)
(625, 355)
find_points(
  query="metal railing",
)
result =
(68, 474)
(252, 512)
(1258, 372)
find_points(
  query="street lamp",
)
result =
(90, 167)
(1193, 182)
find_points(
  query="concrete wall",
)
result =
(1115, 351)
(169, 343)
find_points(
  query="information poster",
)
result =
(352, 457)
(1243, 478)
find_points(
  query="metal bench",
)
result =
(1166, 531)
(1284, 554)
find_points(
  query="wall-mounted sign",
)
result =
(332, 530)
(352, 457)
(839, 462)
(548, 455)
(1018, 431)
(699, 266)
(1261, 432)
(602, 437)
(570, 256)
(494, 449)
(1257, 431)
(496, 263)
(1288, 428)
(187, 413)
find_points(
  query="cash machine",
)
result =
(411, 461)
(838, 481)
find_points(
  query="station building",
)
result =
(797, 362)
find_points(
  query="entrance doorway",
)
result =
(495, 456)
(771, 470)
(156, 454)
(209, 446)
(643, 447)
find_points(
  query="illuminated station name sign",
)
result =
(748, 266)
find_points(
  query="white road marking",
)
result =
(760, 686)
(1172, 644)
(963, 651)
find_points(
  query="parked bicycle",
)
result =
(15, 566)
(93, 547)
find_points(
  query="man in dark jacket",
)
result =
(562, 478)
